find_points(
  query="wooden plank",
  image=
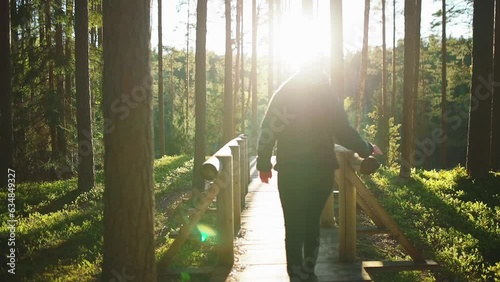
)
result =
(386, 218)
(235, 151)
(194, 218)
(225, 217)
(391, 266)
(347, 212)
(369, 211)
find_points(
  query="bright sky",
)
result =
(175, 17)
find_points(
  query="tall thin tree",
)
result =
(495, 119)
(6, 134)
(443, 81)
(237, 70)
(201, 94)
(393, 92)
(337, 48)
(61, 97)
(270, 68)
(187, 81)
(410, 84)
(52, 117)
(364, 64)
(161, 104)
(129, 240)
(242, 96)
(254, 73)
(83, 108)
(228, 78)
(478, 153)
(384, 119)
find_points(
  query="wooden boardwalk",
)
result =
(260, 245)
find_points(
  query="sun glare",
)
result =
(299, 40)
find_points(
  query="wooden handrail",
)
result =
(228, 170)
(354, 192)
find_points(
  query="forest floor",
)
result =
(454, 219)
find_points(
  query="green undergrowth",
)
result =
(59, 231)
(453, 219)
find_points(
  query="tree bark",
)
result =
(495, 119)
(254, 74)
(237, 71)
(6, 134)
(61, 97)
(384, 119)
(83, 107)
(129, 245)
(478, 152)
(161, 125)
(68, 78)
(411, 67)
(51, 108)
(188, 86)
(242, 96)
(201, 94)
(270, 74)
(228, 133)
(364, 64)
(393, 97)
(443, 82)
(337, 48)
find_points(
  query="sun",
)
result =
(299, 40)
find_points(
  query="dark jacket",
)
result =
(304, 119)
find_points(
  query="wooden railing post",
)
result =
(246, 170)
(235, 151)
(225, 212)
(347, 211)
(241, 143)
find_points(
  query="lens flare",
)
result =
(205, 232)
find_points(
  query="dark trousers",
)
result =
(303, 193)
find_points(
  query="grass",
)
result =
(454, 219)
(59, 231)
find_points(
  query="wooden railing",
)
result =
(229, 172)
(353, 193)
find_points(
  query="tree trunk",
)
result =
(68, 78)
(279, 61)
(228, 133)
(411, 66)
(83, 107)
(187, 71)
(161, 124)
(384, 119)
(443, 83)
(242, 96)
(6, 134)
(129, 243)
(364, 64)
(201, 94)
(337, 48)
(495, 120)
(478, 152)
(254, 74)
(237, 71)
(61, 97)
(393, 97)
(270, 71)
(51, 99)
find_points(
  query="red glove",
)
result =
(265, 176)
